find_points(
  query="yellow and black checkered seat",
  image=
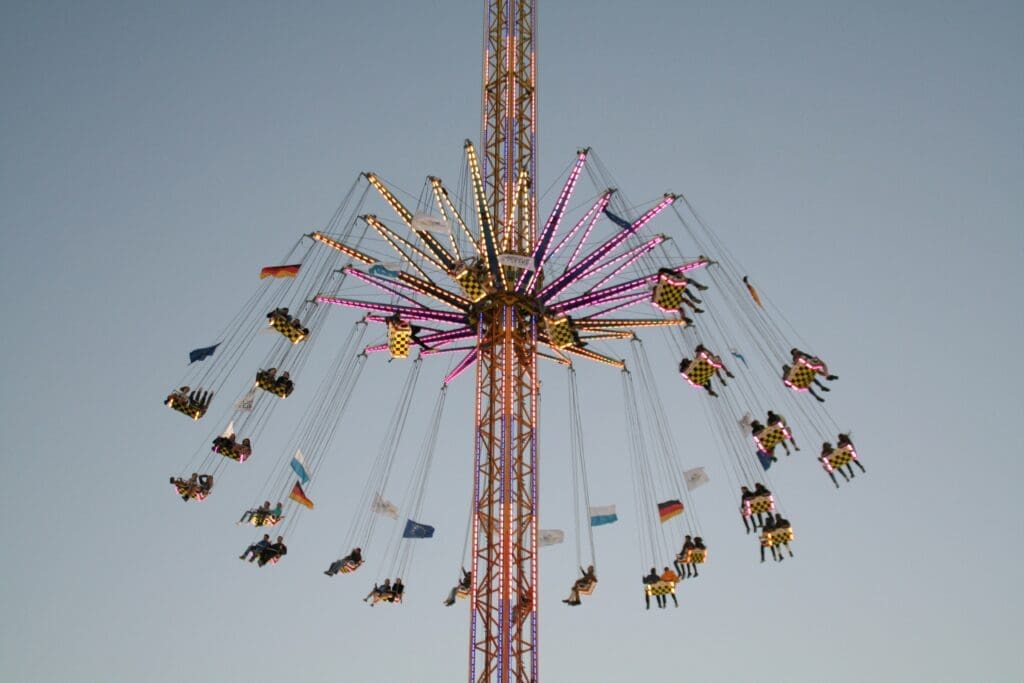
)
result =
(770, 437)
(660, 588)
(399, 336)
(474, 281)
(668, 292)
(759, 505)
(840, 456)
(693, 556)
(279, 386)
(700, 370)
(186, 406)
(284, 324)
(560, 332)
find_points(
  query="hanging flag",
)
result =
(621, 222)
(766, 458)
(280, 271)
(746, 423)
(245, 403)
(383, 506)
(669, 509)
(200, 354)
(517, 261)
(550, 537)
(230, 429)
(753, 292)
(417, 530)
(299, 496)
(299, 465)
(737, 354)
(695, 477)
(603, 514)
(422, 221)
(380, 270)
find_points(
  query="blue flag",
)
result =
(417, 530)
(380, 271)
(765, 458)
(737, 354)
(200, 354)
(299, 465)
(621, 222)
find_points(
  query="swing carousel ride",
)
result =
(466, 272)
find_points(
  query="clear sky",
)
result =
(864, 161)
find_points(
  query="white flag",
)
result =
(746, 423)
(695, 477)
(550, 537)
(516, 261)
(245, 403)
(422, 221)
(383, 506)
(230, 430)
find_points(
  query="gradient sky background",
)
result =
(863, 160)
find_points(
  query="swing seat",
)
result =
(660, 588)
(399, 335)
(587, 588)
(234, 450)
(261, 519)
(279, 386)
(771, 436)
(561, 333)
(473, 280)
(700, 370)
(693, 556)
(462, 593)
(668, 292)
(386, 596)
(186, 406)
(839, 457)
(285, 324)
(776, 537)
(183, 488)
(758, 505)
(350, 566)
(802, 372)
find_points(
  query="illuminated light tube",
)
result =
(394, 239)
(554, 220)
(433, 291)
(483, 215)
(631, 257)
(348, 251)
(591, 218)
(573, 274)
(406, 312)
(448, 337)
(456, 371)
(389, 198)
(611, 324)
(575, 350)
(389, 286)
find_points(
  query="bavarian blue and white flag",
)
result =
(423, 221)
(417, 530)
(299, 465)
(603, 514)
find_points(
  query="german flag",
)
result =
(669, 509)
(299, 496)
(280, 271)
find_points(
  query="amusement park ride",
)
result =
(501, 290)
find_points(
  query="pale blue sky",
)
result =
(864, 161)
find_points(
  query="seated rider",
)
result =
(354, 558)
(781, 523)
(256, 549)
(683, 564)
(766, 533)
(776, 419)
(397, 588)
(462, 586)
(649, 580)
(273, 553)
(583, 583)
(669, 576)
(826, 450)
(745, 495)
(381, 592)
(205, 484)
(261, 511)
